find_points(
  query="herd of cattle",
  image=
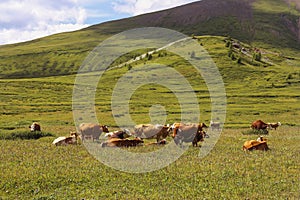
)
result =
(180, 132)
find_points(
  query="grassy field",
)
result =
(38, 170)
(35, 169)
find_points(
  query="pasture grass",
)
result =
(38, 170)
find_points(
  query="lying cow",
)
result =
(259, 125)
(62, 141)
(255, 145)
(189, 133)
(35, 127)
(93, 131)
(152, 131)
(119, 134)
(274, 125)
(116, 142)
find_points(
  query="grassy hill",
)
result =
(271, 24)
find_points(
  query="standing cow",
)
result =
(92, 130)
(259, 125)
(188, 133)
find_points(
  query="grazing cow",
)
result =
(189, 133)
(119, 134)
(258, 125)
(214, 125)
(91, 130)
(35, 127)
(117, 142)
(255, 145)
(152, 131)
(72, 139)
(274, 125)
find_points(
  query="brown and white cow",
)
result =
(259, 125)
(93, 131)
(117, 142)
(188, 133)
(121, 134)
(274, 125)
(62, 141)
(255, 145)
(152, 131)
(35, 127)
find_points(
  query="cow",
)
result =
(255, 145)
(214, 125)
(188, 133)
(152, 131)
(122, 134)
(259, 125)
(274, 125)
(35, 127)
(93, 131)
(72, 139)
(117, 142)
(177, 125)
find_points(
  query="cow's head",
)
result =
(105, 129)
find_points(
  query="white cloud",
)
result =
(22, 20)
(137, 7)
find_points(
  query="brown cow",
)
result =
(117, 142)
(255, 145)
(152, 131)
(92, 130)
(188, 133)
(35, 127)
(258, 125)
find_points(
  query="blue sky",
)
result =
(23, 20)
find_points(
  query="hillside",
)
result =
(272, 24)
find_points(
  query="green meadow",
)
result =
(267, 89)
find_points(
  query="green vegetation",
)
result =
(265, 89)
(25, 135)
(37, 81)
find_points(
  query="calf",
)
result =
(274, 125)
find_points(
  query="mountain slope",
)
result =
(263, 23)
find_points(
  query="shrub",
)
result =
(25, 135)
